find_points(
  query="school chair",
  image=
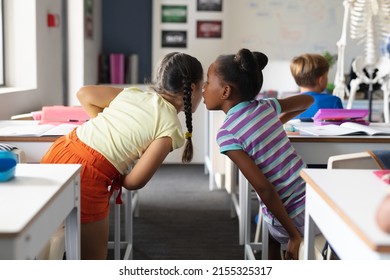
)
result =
(359, 160)
(260, 242)
(320, 252)
(131, 209)
(55, 247)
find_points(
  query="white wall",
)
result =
(83, 52)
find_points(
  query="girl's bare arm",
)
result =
(148, 164)
(269, 196)
(95, 98)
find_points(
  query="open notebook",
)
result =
(37, 130)
(346, 128)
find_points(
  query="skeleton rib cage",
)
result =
(369, 25)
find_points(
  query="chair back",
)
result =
(361, 160)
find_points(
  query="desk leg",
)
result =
(264, 240)
(310, 227)
(131, 197)
(246, 202)
(243, 197)
(117, 227)
(72, 235)
(246, 212)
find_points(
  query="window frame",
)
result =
(2, 65)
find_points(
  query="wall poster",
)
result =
(209, 29)
(209, 5)
(173, 39)
(174, 13)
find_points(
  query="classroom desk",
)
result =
(34, 204)
(35, 148)
(315, 151)
(342, 203)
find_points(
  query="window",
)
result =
(1, 45)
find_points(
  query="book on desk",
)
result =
(37, 130)
(344, 129)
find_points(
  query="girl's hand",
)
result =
(292, 251)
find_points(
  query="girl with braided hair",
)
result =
(252, 136)
(127, 126)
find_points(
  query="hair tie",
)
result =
(188, 135)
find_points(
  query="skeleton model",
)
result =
(369, 24)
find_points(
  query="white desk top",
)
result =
(355, 196)
(32, 191)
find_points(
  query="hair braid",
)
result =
(175, 75)
(188, 149)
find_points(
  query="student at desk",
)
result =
(252, 136)
(310, 72)
(127, 126)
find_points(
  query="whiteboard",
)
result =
(283, 29)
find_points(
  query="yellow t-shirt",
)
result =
(124, 129)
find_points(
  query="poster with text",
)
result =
(209, 29)
(209, 5)
(173, 39)
(174, 13)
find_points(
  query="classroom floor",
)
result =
(181, 219)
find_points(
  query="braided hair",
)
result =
(176, 73)
(244, 71)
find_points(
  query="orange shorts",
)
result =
(97, 174)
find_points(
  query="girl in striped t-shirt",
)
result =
(252, 136)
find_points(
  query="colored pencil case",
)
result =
(63, 114)
(339, 116)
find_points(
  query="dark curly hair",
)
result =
(243, 70)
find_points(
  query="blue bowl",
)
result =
(8, 161)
